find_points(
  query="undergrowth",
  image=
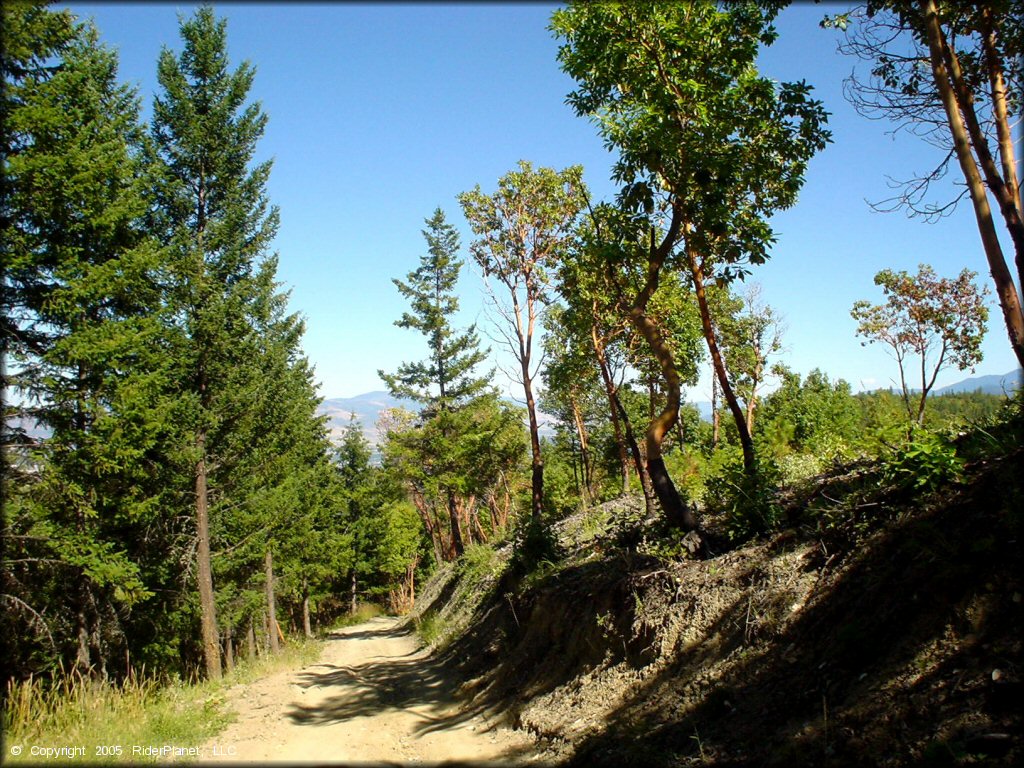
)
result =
(108, 717)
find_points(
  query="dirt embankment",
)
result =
(375, 696)
(893, 639)
(899, 646)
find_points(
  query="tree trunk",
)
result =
(524, 354)
(755, 381)
(268, 565)
(1006, 289)
(480, 533)
(229, 650)
(250, 642)
(306, 626)
(410, 575)
(609, 388)
(352, 592)
(746, 443)
(83, 661)
(453, 519)
(207, 604)
(428, 522)
(581, 432)
(638, 460)
(716, 420)
(575, 465)
(537, 463)
(676, 512)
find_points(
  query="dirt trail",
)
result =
(373, 697)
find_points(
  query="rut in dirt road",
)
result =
(374, 696)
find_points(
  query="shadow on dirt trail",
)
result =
(415, 683)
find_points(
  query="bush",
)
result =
(747, 502)
(924, 461)
(534, 542)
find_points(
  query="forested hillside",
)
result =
(175, 501)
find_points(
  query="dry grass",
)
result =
(108, 718)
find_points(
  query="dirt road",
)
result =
(374, 697)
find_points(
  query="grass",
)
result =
(364, 612)
(431, 628)
(109, 718)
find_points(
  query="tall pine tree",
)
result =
(445, 382)
(214, 218)
(80, 299)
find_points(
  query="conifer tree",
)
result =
(81, 290)
(216, 222)
(445, 382)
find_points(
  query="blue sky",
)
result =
(379, 113)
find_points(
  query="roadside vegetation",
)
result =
(107, 717)
(186, 513)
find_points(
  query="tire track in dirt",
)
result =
(374, 696)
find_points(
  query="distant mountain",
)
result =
(991, 385)
(366, 408)
(703, 408)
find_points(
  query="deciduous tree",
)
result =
(522, 230)
(939, 320)
(704, 142)
(950, 71)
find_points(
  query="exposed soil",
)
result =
(892, 639)
(375, 696)
(880, 629)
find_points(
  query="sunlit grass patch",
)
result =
(109, 718)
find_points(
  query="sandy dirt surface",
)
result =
(373, 697)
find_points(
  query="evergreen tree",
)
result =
(217, 225)
(81, 290)
(445, 380)
(444, 383)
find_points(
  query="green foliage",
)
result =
(534, 543)
(811, 415)
(480, 563)
(431, 628)
(80, 302)
(747, 502)
(941, 321)
(693, 117)
(522, 231)
(707, 149)
(563, 493)
(153, 342)
(924, 461)
(447, 378)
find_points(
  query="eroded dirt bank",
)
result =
(373, 697)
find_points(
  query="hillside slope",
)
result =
(881, 630)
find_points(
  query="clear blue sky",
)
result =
(380, 113)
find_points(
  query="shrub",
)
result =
(924, 461)
(747, 502)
